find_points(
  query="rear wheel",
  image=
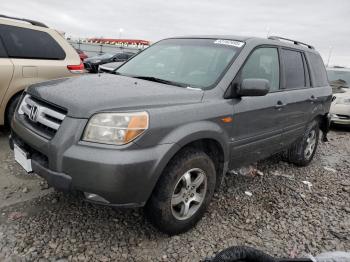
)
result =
(303, 150)
(183, 192)
(11, 108)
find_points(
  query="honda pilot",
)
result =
(163, 130)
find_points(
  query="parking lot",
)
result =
(284, 216)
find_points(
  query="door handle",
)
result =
(280, 105)
(312, 99)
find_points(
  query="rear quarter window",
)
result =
(30, 44)
(318, 70)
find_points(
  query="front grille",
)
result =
(41, 117)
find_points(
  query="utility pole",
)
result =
(329, 55)
(268, 32)
(121, 30)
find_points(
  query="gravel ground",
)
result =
(284, 216)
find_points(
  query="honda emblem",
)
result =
(34, 113)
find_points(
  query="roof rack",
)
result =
(290, 40)
(36, 23)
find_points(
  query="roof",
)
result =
(29, 21)
(258, 40)
(227, 37)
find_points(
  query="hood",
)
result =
(83, 96)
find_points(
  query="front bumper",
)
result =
(340, 114)
(123, 175)
(340, 120)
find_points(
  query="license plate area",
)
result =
(23, 158)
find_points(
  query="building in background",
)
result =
(98, 46)
(121, 42)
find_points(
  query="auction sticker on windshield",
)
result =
(229, 42)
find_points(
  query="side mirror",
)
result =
(253, 87)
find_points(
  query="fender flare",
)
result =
(186, 134)
(192, 132)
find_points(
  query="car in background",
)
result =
(81, 54)
(92, 64)
(109, 67)
(30, 52)
(339, 78)
(340, 108)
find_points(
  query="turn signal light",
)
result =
(227, 119)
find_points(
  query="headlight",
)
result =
(96, 61)
(115, 128)
(343, 100)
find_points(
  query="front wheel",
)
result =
(182, 193)
(303, 150)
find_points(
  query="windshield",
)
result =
(339, 78)
(195, 63)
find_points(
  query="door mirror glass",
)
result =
(253, 87)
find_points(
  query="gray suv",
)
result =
(165, 127)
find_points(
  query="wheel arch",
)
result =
(211, 145)
(323, 121)
(215, 150)
(7, 106)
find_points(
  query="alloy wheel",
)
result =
(189, 194)
(310, 144)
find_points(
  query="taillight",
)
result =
(76, 69)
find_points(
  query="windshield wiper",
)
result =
(159, 80)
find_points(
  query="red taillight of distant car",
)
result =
(82, 56)
(76, 69)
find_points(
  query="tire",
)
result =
(301, 152)
(11, 108)
(166, 208)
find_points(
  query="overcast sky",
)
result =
(322, 23)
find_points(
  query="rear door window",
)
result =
(318, 70)
(294, 72)
(263, 63)
(122, 56)
(129, 55)
(30, 44)
(2, 50)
